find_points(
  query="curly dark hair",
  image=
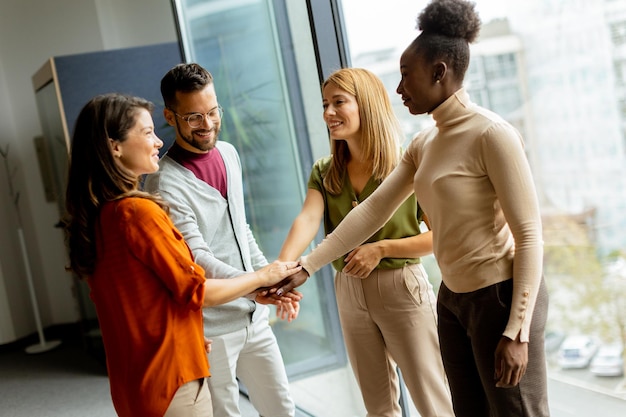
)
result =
(448, 27)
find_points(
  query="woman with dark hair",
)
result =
(475, 183)
(386, 303)
(471, 177)
(146, 288)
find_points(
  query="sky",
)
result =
(378, 24)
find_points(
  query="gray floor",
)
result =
(64, 382)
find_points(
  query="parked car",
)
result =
(553, 340)
(609, 361)
(577, 351)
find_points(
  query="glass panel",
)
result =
(238, 42)
(555, 70)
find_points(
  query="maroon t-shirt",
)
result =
(208, 167)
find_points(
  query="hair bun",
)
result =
(451, 18)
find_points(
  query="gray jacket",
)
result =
(215, 229)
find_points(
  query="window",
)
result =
(500, 66)
(258, 83)
(618, 33)
(551, 68)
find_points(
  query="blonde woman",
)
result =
(386, 303)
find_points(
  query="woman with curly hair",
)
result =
(146, 288)
(474, 181)
(471, 177)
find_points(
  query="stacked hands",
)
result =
(284, 277)
(281, 279)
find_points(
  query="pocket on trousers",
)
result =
(414, 284)
(201, 383)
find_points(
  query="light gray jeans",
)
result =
(252, 355)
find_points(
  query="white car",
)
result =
(609, 361)
(577, 352)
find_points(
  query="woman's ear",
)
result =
(440, 71)
(116, 148)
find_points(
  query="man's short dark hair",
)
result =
(185, 78)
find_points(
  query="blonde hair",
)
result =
(381, 134)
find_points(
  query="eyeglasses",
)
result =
(195, 120)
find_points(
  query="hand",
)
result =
(361, 261)
(288, 311)
(207, 345)
(265, 296)
(292, 282)
(273, 273)
(511, 361)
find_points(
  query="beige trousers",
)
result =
(390, 318)
(192, 399)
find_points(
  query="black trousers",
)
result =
(470, 327)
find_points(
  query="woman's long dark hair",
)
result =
(94, 177)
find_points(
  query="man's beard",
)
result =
(202, 146)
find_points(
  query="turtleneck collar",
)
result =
(452, 108)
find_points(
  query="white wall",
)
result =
(31, 31)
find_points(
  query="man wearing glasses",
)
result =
(200, 177)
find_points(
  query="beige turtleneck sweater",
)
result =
(471, 176)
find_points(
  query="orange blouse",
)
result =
(148, 294)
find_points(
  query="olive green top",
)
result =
(404, 223)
